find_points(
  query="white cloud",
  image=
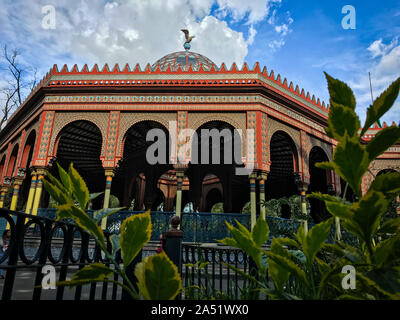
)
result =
(255, 10)
(384, 69)
(283, 29)
(377, 48)
(252, 35)
(132, 31)
(276, 44)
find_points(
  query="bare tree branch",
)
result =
(13, 94)
(15, 70)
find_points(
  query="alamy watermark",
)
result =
(349, 20)
(49, 278)
(49, 19)
(349, 280)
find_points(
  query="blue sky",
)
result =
(298, 39)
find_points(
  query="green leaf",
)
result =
(243, 229)
(158, 278)
(382, 141)
(342, 120)
(65, 179)
(315, 239)
(323, 267)
(387, 279)
(286, 242)
(102, 213)
(325, 165)
(69, 211)
(115, 238)
(300, 235)
(381, 105)
(56, 182)
(368, 212)
(93, 196)
(242, 273)
(340, 93)
(343, 212)
(351, 161)
(289, 265)
(369, 284)
(58, 195)
(135, 233)
(278, 274)
(343, 250)
(390, 226)
(387, 252)
(388, 184)
(79, 188)
(260, 232)
(323, 197)
(96, 272)
(244, 240)
(229, 242)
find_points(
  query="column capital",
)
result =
(262, 175)
(21, 173)
(7, 181)
(180, 167)
(41, 171)
(302, 186)
(18, 180)
(109, 172)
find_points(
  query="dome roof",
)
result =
(184, 59)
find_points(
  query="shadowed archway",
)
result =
(284, 163)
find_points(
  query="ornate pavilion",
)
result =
(99, 119)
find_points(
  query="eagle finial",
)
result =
(186, 45)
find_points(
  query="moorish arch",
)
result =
(284, 164)
(12, 162)
(218, 151)
(28, 150)
(136, 161)
(213, 197)
(26, 160)
(2, 165)
(320, 181)
(63, 119)
(127, 120)
(383, 171)
(275, 125)
(236, 121)
(80, 142)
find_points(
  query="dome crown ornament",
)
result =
(188, 38)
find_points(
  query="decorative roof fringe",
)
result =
(214, 69)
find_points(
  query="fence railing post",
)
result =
(173, 242)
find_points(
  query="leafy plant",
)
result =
(377, 262)
(158, 277)
(307, 267)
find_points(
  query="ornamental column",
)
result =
(262, 177)
(17, 185)
(253, 209)
(3, 191)
(41, 172)
(32, 190)
(303, 187)
(109, 173)
(179, 180)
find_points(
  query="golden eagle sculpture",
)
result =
(189, 38)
